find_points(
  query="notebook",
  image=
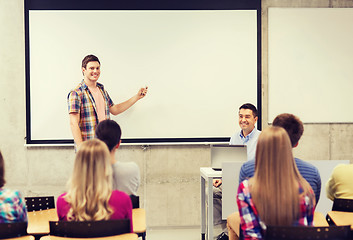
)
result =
(227, 153)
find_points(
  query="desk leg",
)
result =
(203, 209)
(210, 209)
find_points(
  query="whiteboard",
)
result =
(200, 66)
(310, 59)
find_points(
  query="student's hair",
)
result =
(251, 107)
(89, 58)
(109, 132)
(291, 124)
(2, 171)
(90, 186)
(275, 186)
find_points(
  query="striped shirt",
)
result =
(308, 171)
(80, 100)
(250, 221)
(12, 206)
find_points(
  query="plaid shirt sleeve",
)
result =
(307, 209)
(74, 102)
(249, 219)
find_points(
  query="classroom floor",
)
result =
(189, 233)
(174, 234)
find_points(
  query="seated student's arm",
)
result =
(75, 129)
(247, 170)
(318, 186)
(21, 214)
(249, 221)
(122, 107)
(331, 188)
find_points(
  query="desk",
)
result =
(38, 221)
(341, 218)
(207, 174)
(320, 220)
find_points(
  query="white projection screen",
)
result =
(199, 66)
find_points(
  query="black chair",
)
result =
(89, 229)
(139, 217)
(12, 230)
(135, 200)
(307, 233)
(343, 205)
(39, 203)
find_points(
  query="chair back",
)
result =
(39, 203)
(135, 200)
(89, 229)
(343, 205)
(307, 233)
(11, 230)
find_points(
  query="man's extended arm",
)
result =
(75, 129)
(121, 107)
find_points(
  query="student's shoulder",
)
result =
(122, 196)
(248, 164)
(6, 193)
(341, 168)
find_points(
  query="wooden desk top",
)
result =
(139, 220)
(341, 218)
(320, 220)
(126, 236)
(27, 237)
(38, 221)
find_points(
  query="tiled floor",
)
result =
(174, 234)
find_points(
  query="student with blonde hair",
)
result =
(90, 196)
(277, 194)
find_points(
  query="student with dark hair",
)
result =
(89, 103)
(12, 205)
(126, 175)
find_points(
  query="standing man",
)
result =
(126, 175)
(89, 103)
(248, 136)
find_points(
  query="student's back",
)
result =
(90, 196)
(277, 194)
(12, 204)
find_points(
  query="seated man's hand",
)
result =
(217, 182)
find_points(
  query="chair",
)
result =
(307, 233)
(139, 217)
(125, 236)
(39, 203)
(13, 230)
(89, 229)
(343, 205)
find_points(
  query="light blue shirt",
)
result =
(250, 141)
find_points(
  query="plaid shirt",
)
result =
(80, 100)
(12, 206)
(251, 224)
